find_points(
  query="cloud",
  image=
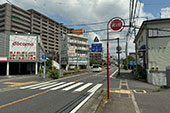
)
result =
(83, 11)
(165, 12)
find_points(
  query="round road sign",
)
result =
(117, 24)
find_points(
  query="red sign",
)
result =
(3, 59)
(117, 24)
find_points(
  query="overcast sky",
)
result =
(72, 12)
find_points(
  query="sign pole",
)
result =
(44, 71)
(108, 60)
(117, 24)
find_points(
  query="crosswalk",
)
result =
(64, 86)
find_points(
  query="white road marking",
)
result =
(114, 73)
(34, 85)
(43, 85)
(55, 88)
(52, 85)
(83, 87)
(82, 103)
(73, 86)
(95, 88)
(135, 103)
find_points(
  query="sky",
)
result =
(76, 12)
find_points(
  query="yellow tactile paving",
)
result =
(15, 84)
(121, 91)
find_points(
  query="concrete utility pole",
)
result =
(119, 49)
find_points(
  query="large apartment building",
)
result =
(17, 20)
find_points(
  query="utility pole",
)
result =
(119, 48)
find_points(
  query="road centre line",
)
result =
(20, 100)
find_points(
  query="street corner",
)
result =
(16, 84)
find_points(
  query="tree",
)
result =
(94, 61)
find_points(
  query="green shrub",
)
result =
(54, 74)
(140, 72)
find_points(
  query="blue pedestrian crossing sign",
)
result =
(96, 39)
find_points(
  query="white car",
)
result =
(96, 68)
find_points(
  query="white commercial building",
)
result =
(152, 45)
(74, 52)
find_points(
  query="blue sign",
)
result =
(96, 47)
(132, 63)
(96, 39)
(44, 57)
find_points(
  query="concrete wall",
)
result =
(157, 78)
(159, 53)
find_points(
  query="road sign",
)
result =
(44, 57)
(118, 48)
(117, 24)
(132, 63)
(96, 39)
(96, 47)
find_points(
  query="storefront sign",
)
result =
(22, 47)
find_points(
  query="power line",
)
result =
(94, 23)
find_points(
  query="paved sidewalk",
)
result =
(141, 99)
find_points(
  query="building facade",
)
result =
(152, 45)
(19, 54)
(97, 56)
(14, 19)
(74, 52)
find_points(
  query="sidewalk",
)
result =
(141, 98)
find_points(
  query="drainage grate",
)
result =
(124, 95)
(124, 87)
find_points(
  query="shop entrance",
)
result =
(21, 68)
(3, 68)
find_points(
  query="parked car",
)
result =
(96, 68)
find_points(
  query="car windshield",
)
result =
(95, 66)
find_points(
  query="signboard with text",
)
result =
(22, 47)
(96, 47)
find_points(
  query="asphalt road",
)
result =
(56, 96)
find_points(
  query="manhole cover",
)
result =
(124, 87)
